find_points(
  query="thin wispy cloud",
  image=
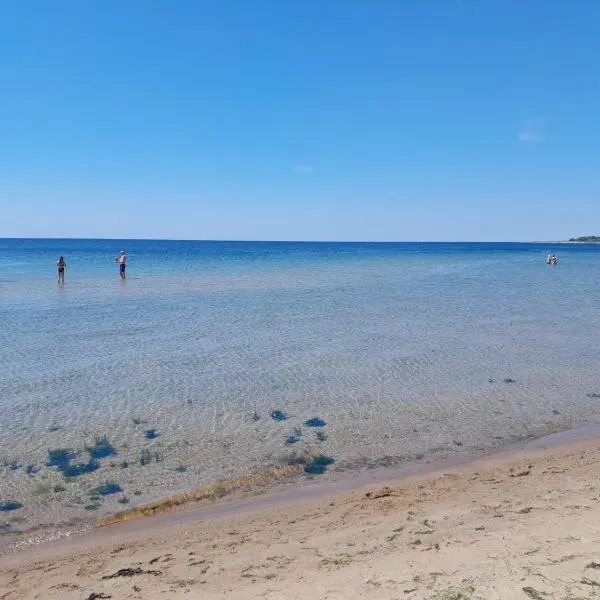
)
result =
(532, 130)
(304, 169)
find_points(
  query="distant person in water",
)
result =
(60, 267)
(121, 260)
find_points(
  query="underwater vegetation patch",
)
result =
(10, 505)
(123, 500)
(31, 470)
(321, 437)
(315, 422)
(146, 457)
(60, 458)
(318, 465)
(294, 437)
(101, 448)
(60, 488)
(181, 469)
(509, 380)
(75, 470)
(150, 434)
(14, 466)
(278, 415)
(92, 506)
(124, 464)
(106, 489)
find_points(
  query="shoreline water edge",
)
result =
(275, 488)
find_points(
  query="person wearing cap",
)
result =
(122, 261)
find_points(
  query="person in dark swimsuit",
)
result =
(122, 261)
(60, 267)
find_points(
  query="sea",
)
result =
(214, 361)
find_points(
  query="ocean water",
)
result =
(406, 351)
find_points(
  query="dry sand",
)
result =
(524, 526)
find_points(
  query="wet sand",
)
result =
(523, 523)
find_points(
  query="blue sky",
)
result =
(320, 119)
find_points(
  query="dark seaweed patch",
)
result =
(78, 469)
(60, 458)
(318, 465)
(14, 466)
(150, 434)
(294, 437)
(321, 437)
(106, 489)
(509, 380)
(278, 415)
(315, 422)
(130, 573)
(7, 506)
(101, 448)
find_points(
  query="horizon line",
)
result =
(282, 241)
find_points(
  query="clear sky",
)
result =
(312, 119)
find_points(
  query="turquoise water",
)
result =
(402, 349)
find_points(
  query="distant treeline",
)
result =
(586, 238)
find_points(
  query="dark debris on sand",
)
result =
(131, 572)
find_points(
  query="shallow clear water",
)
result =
(403, 349)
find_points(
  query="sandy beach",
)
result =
(511, 526)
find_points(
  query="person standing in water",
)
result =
(60, 267)
(122, 262)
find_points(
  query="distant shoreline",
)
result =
(565, 242)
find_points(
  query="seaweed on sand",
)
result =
(60, 458)
(294, 437)
(101, 448)
(10, 505)
(75, 470)
(278, 415)
(106, 489)
(315, 422)
(318, 465)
